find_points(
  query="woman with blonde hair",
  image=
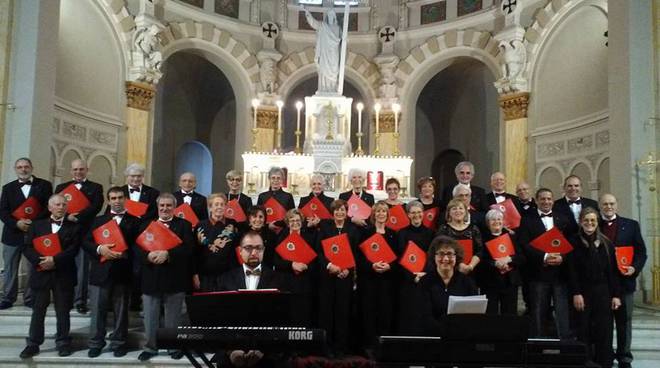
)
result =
(458, 228)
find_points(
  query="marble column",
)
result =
(514, 106)
(138, 122)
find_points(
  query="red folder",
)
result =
(135, 208)
(468, 250)
(109, 233)
(238, 255)
(501, 247)
(234, 211)
(552, 241)
(274, 210)
(28, 210)
(157, 237)
(315, 207)
(76, 201)
(397, 218)
(47, 245)
(624, 257)
(511, 215)
(377, 250)
(338, 251)
(357, 208)
(414, 258)
(430, 218)
(295, 249)
(186, 212)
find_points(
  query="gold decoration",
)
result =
(514, 105)
(267, 117)
(385, 121)
(139, 95)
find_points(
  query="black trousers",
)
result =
(502, 300)
(595, 324)
(63, 300)
(623, 318)
(376, 307)
(335, 309)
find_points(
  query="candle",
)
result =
(377, 108)
(279, 104)
(255, 105)
(360, 106)
(396, 107)
(299, 106)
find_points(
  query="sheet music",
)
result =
(474, 304)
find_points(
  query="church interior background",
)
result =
(539, 89)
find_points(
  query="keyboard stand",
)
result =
(191, 358)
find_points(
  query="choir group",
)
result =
(369, 268)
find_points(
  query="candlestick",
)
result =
(279, 104)
(377, 150)
(299, 106)
(298, 133)
(377, 109)
(360, 106)
(359, 151)
(396, 108)
(254, 139)
(255, 105)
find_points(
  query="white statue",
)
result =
(514, 57)
(268, 75)
(328, 38)
(387, 87)
(147, 41)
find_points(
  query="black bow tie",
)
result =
(499, 194)
(134, 190)
(187, 195)
(252, 272)
(166, 223)
(549, 214)
(22, 184)
(58, 222)
(577, 201)
(115, 214)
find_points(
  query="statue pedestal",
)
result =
(328, 122)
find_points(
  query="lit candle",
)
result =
(299, 106)
(360, 106)
(377, 108)
(396, 108)
(255, 105)
(279, 104)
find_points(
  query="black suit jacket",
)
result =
(477, 201)
(65, 266)
(490, 199)
(530, 228)
(285, 198)
(327, 201)
(368, 198)
(234, 279)
(561, 206)
(526, 208)
(148, 195)
(94, 193)
(175, 275)
(12, 197)
(628, 233)
(197, 202)
(116, 271)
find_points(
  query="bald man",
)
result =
(187, 194)
(498, 192)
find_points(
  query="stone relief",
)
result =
(580, 144)
(74, 131)
(603, 138)
(104, 138)
(550, 149)
(147, 41)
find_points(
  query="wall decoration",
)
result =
(432, 13)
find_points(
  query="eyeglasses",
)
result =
(234, 179)
(393, 189)
(449, 255)
(251, 248)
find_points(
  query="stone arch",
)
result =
(550, 176)
(103, 155)
(123, 24)
(588, 169)
(65, 151)
(297, 66)
(603, 175)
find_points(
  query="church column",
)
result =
(6, 17)
(514, 106)
(138, 105)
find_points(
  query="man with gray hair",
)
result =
(234, 184)
(137, 191)
(357, 177)
(187, 194)
(464, 174)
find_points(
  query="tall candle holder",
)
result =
(279, 105)
(377, 150)
(299, 106)
(298, 133)
(255, 106)
(359, 151)
(359, 134)
(396, 108)
(396, 144)
(254, 139)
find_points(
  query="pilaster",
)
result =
(514, 107)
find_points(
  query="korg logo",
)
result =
(301, 335)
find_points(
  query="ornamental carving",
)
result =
(56, 125)
(514, 105)
(385, 121)
(580, 144)
(104, 138)
(603, 138)
(550, 149)
(74, 131)
(266, 118)
(139, 95)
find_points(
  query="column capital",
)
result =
(139, 95)
(514, 105)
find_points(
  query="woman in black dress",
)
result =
(458, 228)
(316, 183)
(432, 210)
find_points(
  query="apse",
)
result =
(194, 103)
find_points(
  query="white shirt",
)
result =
(26, 188)
(499, 198)
(575, 208)
(56, 226)
(548, 221)
(252, 281)
(187, 199)
(79, 185)
(134, 196)
(118, 217)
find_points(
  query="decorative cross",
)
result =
(508, 6)
(269, 30)
(387, 33)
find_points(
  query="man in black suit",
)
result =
(525, 202)
(187, 194)
(94, 194)
(498, 190)
(14, 194)
(572, 203)
(623, 232)
(464, 174)
(136, 190)
(166, 276)
(547, 272)
(110, 276)
(357, 177)
(56, 274)
(276, 177)
(234, 184)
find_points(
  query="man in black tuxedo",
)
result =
(94, 194)
(136, 190)
(110, 276)
(464, 174)
(56, 274)
(276, 177)
(498, 190)
(187, 194)
(572, 203)
(547, 272)
(357, 177)
(234, 183)
(166, 276)
(14, 194)
(525, 202)
(623, 232)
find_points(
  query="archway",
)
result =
(195, 157)
(442, 169)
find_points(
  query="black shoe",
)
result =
(29, 351)
(176, 355)
(29, 304)
(6, 305)
(624, 365)
(64, 351)
(94, 352)
(82, 309)
(119, 352)
(146, 355)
